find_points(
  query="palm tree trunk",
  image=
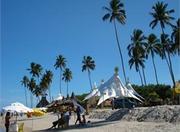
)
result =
(60, 81)
(154, 69)
(49, 94)
(31, 98)
(25, 94)
(140, 77)
(90, 79)
(144, 77)
(170, 68)
(170, 64)
(122, 62)
(67, 89)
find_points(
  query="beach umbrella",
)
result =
(17, 107)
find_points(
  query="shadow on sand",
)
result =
(71, 127)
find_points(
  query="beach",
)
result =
(97, 125)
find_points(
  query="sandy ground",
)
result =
(45, 122)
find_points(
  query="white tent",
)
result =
(130, 88)
(113, 88)
(60, 97)
(94, 92)
(17, 107)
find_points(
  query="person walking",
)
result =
(78, 112)
(7, 122)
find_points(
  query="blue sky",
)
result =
(39, 30)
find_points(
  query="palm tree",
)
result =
(167, 48)
(49, 76)
(136, 51)
(67, 76)
(32, 86)
(61, 64)
(117, 13)
(175, 37)
(137, 59)
(37, 91)
(162, 16)
(35, 69)
(88, 64)
(153, 47)
(24, 83)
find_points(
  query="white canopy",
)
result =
(113, 88)
(130, 88)
(94, 92)
(60, 97)
(17, 107)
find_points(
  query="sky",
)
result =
(39, 30)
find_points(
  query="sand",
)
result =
(96, 125)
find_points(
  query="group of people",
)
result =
(63, 121)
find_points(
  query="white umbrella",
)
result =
(17, 107)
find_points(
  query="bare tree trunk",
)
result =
(122, 61)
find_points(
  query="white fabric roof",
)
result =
(60, 97)
(130, 88)
(113, 88)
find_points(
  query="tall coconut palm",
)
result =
(88, 65)
(116, 12)
(24, 83)
(162, 16)
(61, 64)
(137, 59)
(32, 85)
(35, 69)
(67, 76)
(175, 37)
(37, 92)
(49, 76)
(136, 51)
(167, 49)
(153, 47)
